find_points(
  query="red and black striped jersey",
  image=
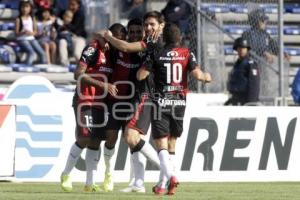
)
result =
(170, 67)
(146, 86)
(125, 69)
(99, 66)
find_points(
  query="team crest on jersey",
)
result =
(89, 51)
(172, 54)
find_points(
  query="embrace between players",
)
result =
(129, 85)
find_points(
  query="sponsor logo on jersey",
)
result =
(172, 53)
(169, 102)
(105, 69)
(127, 65)
(171, 88)
(89, 51)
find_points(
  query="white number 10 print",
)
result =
(176, 74)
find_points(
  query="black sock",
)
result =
(138, 147)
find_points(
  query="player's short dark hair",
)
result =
(155, 14)
(135, 22)
(117, 29)
(171, 33)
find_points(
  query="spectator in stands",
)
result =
(25, 30)
(77, 27)
(259, 39)
(177, 12)
(46, 34)
(64, 36)
(136, 10)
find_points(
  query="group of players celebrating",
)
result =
(127, 79)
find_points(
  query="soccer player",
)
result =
(91, 74)
(120, 73)
(153, 23)
(170, 66)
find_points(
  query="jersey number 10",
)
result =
(174, 72)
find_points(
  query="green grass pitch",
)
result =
(204, 191)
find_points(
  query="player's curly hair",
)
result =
(135, 21)
(118, 31)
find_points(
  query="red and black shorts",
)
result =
(141, 117)
(90, 121)
(167, 121)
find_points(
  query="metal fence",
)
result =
(214, 24)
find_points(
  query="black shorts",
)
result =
(167, 121)
(119, 114)
(90, 122)
(141, 118)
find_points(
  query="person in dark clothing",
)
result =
(177, 12)
(259, 39)
(244, 78)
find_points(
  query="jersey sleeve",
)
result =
(88, 56)
(192, 62)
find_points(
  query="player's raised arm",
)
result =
(122, 45)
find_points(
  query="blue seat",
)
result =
(272, 30)
(24, 68)
(228, 50)
(72, 67)
(291, 30)
(292, 51)
(216, 8)
(7, 26)
(239, 29)
(238, 8)
(235, 29)
(292, 8)
(11, 5)
(269, 8)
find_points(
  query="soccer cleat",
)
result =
(133, 189)
(158, 190)
(108, 183)
(173, 182)
(92, 188)
(66, 183)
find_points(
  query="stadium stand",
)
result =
(226, 12)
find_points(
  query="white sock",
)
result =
(139, 161)
(164, 158)
(162, 180)
(91, 163)
(132, 176)
(108, 153)
(150, 153)
(73, 156)
(172, 162)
